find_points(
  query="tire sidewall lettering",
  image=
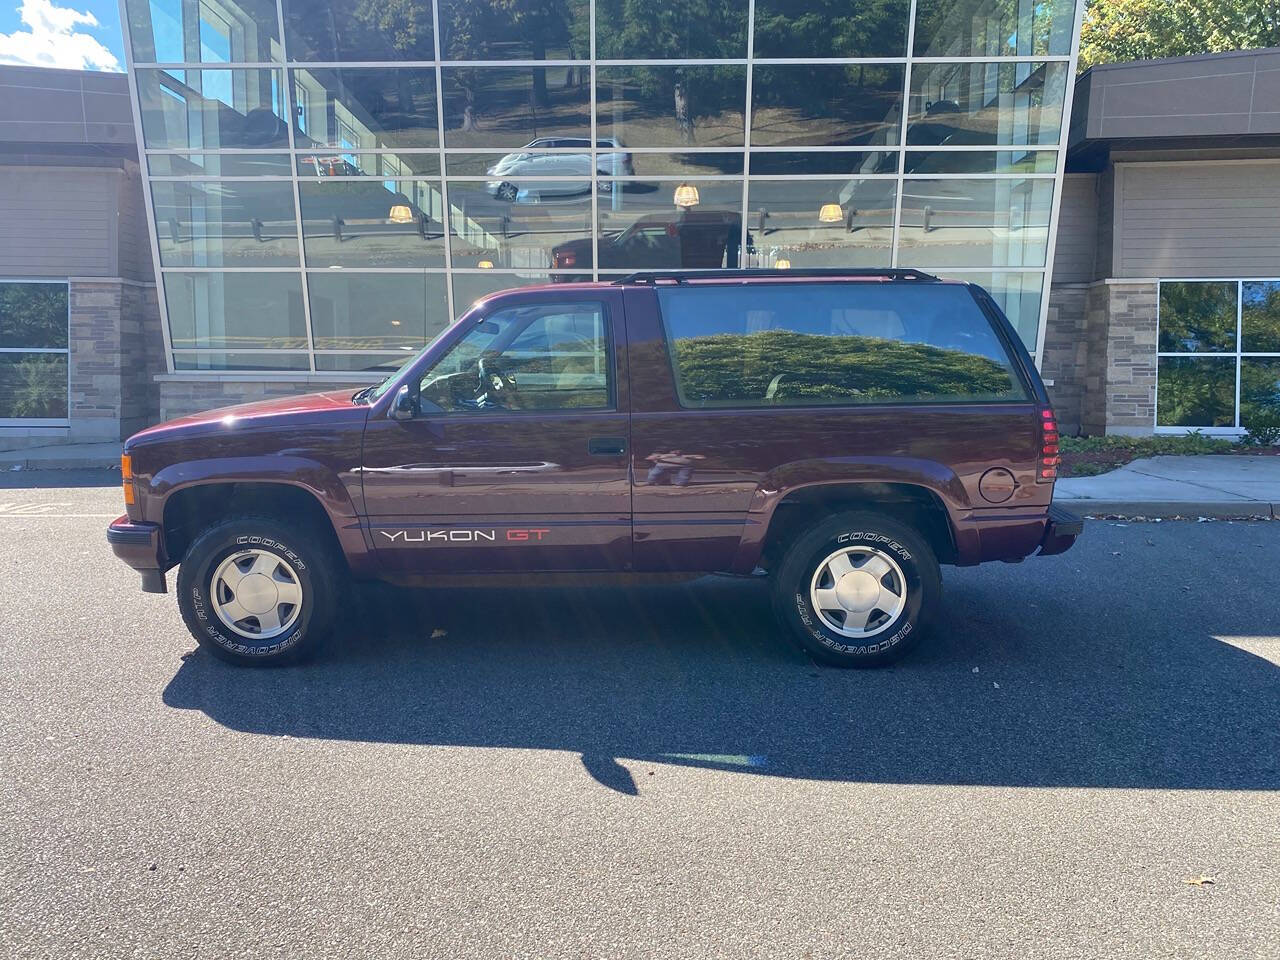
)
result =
(211, 624)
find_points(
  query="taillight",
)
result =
(1047, 470)
(566, 258)
(126, 476)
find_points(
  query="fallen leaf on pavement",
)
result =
(1200, 881)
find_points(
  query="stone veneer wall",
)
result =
(116, 351)
(1100, 351)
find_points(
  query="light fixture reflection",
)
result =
(782, 263)
(485, 264)
(400, 213)
(830, 213)
(686, 195)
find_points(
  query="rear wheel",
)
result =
(857, 590)
(507, 192)
(253, 591)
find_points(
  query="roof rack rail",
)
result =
(681, 276)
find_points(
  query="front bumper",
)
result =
(141, 546)
(1060, 531)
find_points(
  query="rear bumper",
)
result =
(1060, 531)
(141, 546)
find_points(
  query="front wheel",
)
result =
(252, 591)
(857, 590)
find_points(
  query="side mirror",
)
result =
(403, 407)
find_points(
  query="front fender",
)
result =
(316, 478)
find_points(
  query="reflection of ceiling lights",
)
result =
(395, 323)
(686, 195)
(830, 213)
(400, 213)
(782, 263)
(485, 264)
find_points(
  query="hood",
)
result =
(304, 408)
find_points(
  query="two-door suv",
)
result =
(842, 432)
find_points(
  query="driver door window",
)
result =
(529, 358)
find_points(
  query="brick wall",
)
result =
(1131, 357)
(1066, 352)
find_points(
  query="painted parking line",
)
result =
(47, 511)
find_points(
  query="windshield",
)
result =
(371, 393)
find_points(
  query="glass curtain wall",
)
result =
(332, 182)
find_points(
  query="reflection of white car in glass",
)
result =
(611, 161)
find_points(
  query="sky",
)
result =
(77, 35)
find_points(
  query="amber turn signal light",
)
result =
(126, 475)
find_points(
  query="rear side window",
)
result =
(833, 343)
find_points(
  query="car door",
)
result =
(517, 456)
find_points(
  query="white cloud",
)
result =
(52, 40)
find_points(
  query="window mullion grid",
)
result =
(747, 117)
(593, 100)
(902, 138)
(445, 209)
(1239, 360)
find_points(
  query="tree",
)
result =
(1115, 31)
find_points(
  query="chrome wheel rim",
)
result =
(858, 592)
(256, 594)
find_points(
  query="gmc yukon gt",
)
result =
(841, 432)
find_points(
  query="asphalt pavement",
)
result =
(646, 772)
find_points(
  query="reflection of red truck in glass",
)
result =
(683, 240)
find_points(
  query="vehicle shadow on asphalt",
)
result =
(1039, 676)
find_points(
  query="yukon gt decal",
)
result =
(510, 535)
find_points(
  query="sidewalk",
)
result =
(67, 456)
(1203, 486)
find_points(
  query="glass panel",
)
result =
(981, 161)
(831, 28)
(521, 225)
(610, 161)
(33, 315)
(544, 356)
(826, 105)
(365, 109)
(1260, 317)
(1198, 317)
(825, 161)
(1259, 392)
(211, 109)
(376, 311)
(851, 343)
(1018, 295)
(246, 310)
(672, 106)
(994, 28)
(378, 363)
(542, 30)
(671, 30)
(323, 163)
(980, 103)
(820, 223)
(203, 31)
(642, 228)
(333, 30)
(515, 107)
(470, 287)
(218, 164)
(241, 361)
(33, 386)
(370, 223)
(225, 223)
(1195, 392)
(974, 223)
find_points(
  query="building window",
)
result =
(1219, 355)
(34, 324)
(443, 150)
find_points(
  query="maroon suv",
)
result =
(842, 433)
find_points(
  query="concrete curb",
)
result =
(1217, 509)
(35, 463)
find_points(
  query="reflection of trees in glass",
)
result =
(831, 28)
(33, 315)
(792, 367)
(33, 386)
(1195, 392)
(681, 95)
(1197, 317)
(826, 104)
(1260, 392)
(671, 29)
(1260, 322)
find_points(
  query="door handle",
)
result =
(607, 446)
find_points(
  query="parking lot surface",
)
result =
(646, 772)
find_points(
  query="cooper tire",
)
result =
(239, 547)
(890, 577)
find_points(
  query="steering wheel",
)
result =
(495, 383)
